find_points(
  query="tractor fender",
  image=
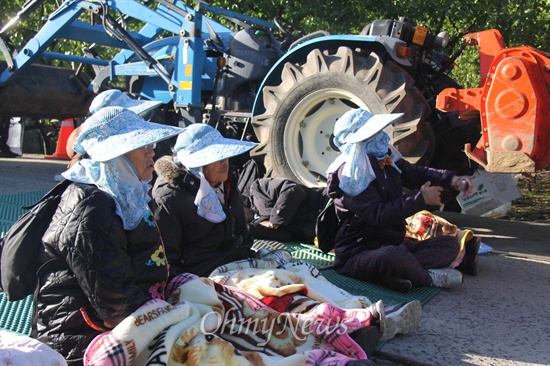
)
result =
(383, 46)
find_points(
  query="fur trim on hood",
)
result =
(168, 170)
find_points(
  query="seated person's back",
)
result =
(285, 210)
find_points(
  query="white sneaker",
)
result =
(446, 277)
(402, 318)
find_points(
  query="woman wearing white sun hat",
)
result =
(200, 210)
(366, 182)
(104, 254)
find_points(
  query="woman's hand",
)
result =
(463, 184)
(269, 225)
(431, 194)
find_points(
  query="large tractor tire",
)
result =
(295, 132)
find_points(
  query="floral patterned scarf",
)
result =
(119, 179)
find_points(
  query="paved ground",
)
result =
(500, 317)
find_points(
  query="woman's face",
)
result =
(216, 172)
(142, 159)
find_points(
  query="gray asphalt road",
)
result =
(499, 317)
(29, 173)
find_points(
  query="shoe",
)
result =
(446, 277)
(397, 284)
(8, 154)
(378, 316)
(367, 338)
(471, 258)
(472, 246)
(402, 318)
(469, 265)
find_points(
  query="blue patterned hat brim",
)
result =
(143, 106)
(371, 126)
(116, 98)
(223, 149)
(115, 131)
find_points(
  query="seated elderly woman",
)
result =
(200, 210)
(366, 182)
(104, 256)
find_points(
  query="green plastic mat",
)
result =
(311, 254)
(10, 206)
(22, 199)
(16, 316)
(375, 292)
(299, 251)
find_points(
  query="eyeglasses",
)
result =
(149, 146)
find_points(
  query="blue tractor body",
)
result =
(250, 78)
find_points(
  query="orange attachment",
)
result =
(67, 126)
(513, 103)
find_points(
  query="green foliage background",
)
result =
(521, 22)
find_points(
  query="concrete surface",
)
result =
(499, 317)
(29, 173)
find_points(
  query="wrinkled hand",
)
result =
(431, 194)
(267, 224)
(463, 184)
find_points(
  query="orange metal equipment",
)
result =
(513, 102)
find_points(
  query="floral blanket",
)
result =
(207, 322)
(424, 225)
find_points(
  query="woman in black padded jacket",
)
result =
(104, 255)
(199, 208)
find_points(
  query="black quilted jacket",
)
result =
(193, 244)
(95, 269)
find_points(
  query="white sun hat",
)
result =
(359, 124)
(200, 144)
(114, 131)
(116, 98)
(350, 130)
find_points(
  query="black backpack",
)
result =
(21, 249)
(326, 227)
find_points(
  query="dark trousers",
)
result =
(261, 232)
(4, 133)
(410, 260)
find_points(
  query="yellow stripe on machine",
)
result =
(186, 85)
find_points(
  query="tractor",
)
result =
(271, 83)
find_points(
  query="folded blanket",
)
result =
(425, 225)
